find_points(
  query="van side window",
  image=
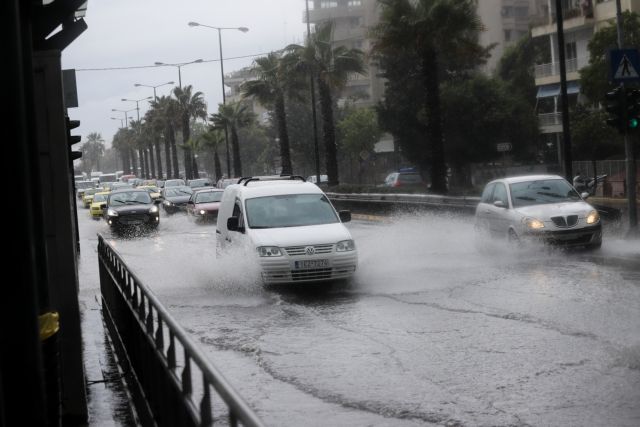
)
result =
(237, 211)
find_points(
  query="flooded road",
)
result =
(430, 330)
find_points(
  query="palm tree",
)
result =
(155, 124)
(269, 89)
(211, 140)
(331, 68)
(139, 144)
(167, 109)
(190, 105)
(234, 115)
(437, 32)
(92, 151)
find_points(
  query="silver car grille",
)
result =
(564, 222)
(301, 250)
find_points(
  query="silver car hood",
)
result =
(546, 211)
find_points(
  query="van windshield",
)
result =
(289, 210)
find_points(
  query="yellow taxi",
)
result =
(99, 201)
(87, 198)
(153, 191)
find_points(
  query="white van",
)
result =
(297, 234)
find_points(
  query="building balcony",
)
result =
(550, 73)
(573, 18)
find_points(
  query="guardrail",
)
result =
(159, 376)
(398, 201)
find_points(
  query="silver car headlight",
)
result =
(167, 203)
(153, 209)
(593, 217)
(269, 251)
(533, 223)
(345, 245)
(202, 212)
(112, 212)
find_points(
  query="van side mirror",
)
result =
(585, 194)
(499, 204)
(232, 223)
(345, 216)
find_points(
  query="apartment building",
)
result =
(352, 19)
(581, 19)
(233, 81)
(505, 22)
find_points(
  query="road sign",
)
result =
(503, 146)
(624, 65)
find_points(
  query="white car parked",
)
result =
(297, 234)
(538, 207)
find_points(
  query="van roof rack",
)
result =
(247, 179)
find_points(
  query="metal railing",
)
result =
(165, 393)
(403, 202)
(553, 68)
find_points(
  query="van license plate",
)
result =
(312, 263)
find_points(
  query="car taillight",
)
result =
(396, 184)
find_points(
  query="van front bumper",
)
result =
(342, 265)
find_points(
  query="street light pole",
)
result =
(126, 118)
(137, 104)
(179, 65)
(155, 97)
(224, 95)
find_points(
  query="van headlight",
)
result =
(153, 209)
(345, 245)
(202, 212)
(533, 223)
(167, 203)
(268, 251)
(112, 212)
(593, 217)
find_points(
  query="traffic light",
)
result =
(73, 139)
(615, 107)
(633, 109)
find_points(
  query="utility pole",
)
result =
(630, 161)
(566, 130)
(313, 105)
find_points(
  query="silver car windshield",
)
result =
(541, 192)
(290, 210)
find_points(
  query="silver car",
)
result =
(542, 208)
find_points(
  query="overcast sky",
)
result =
(125, 33)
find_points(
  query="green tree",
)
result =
(92, 152)
(594, 77)
(234, 116)
(212, 140)
(431, 39)
(190, 105)
(359, 131)
(517, 65)
(270, 88)
(591, 138)
(331, 68)
(481, 112)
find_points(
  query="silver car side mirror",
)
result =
(585, 194)
(499, 204)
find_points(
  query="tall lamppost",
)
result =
(121, 121)
(224, 96)
(155, 97)
(180, 65)
(126, 118)
(137, 103)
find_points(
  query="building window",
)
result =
(571, 51)
(327, 4)
(354, 3)
(507, 35)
